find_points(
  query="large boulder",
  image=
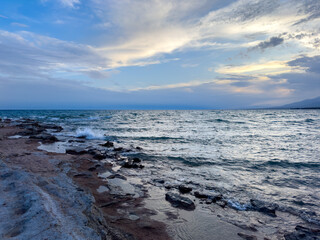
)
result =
(179, 201)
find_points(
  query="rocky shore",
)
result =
(80, 194)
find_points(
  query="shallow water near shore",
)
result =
(270, 155)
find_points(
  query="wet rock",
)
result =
(179, 201)
(52, 127)
(247, 237)
(139, 148)
(79, 141)
(76, 151)
(45, 138)
(221, 203)
(99, 156)
(200, 195)
(107, 144)
(96, 154)
(118, 149)
(260, 206)
(208, 201)
(184, 189)
(83, 175)
(161, 181)
(303, 233)
(117, 175)
(136, 160)
(131, 164)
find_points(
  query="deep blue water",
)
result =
(272, 155)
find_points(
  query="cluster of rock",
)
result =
(39, 131)
(180, 201)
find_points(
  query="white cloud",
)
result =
(155, 27)
(70, 3)
(29, 54)
(19, 25)
(66, 3)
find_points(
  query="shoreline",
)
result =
(57, 179)
(117, 206)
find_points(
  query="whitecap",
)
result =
(90, 134)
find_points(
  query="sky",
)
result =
(158, 54)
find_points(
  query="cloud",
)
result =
(70, 3)
(311, 64)
(154, 28)
(19, 25)
(66, 3)
(1, 16)
(266, 68)
(272, 42)
(32, 55)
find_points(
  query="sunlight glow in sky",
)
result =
(158, 53)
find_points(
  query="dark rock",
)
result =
(208, 201)
(200, 194)
(263, 207)
(52, 127)
(76, 151)
(92, 169)
(45, 138)
(107, 144)
(161, 181)
(303, 233)
(247, 237)
(79, 141)
(96, 154)
(118, 149)
(215, 197)
(139, 148)
(179, 201)
(117, 175)
(131, 164)
(83, 175)
(136, 160)
(184, 189)
(99, 156)
(221, 203)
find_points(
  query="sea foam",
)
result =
(90, 134)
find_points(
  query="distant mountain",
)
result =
(308, 103)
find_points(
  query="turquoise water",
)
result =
(273, 155)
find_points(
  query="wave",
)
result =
(89, 134)
(309, 120)
(287, 164)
